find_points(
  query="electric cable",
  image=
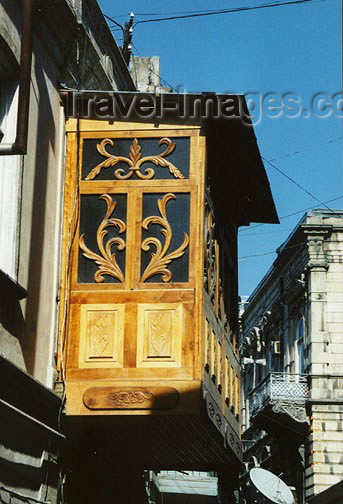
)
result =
(268, 232)
(114, 22)
(185, 12)
(227, 11)
(171, 13)
(289, 154)
(271, 252)
(295, 182)
(297, 212)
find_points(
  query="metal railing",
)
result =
(286, 387)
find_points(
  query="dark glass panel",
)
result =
(177, 212)
(92, 213)
(149, 147)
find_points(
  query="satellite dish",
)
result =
(269, 487)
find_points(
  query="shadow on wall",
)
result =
(45, 139)
(12, 324)
(22, 465)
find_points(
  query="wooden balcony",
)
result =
(147, 347)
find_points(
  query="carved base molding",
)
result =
(133, 398)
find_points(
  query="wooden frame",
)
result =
(169, 337)
(184, 299)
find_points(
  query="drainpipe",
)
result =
(20, 144)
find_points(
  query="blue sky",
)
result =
(284, 49)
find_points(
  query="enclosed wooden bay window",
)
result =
(148, 324)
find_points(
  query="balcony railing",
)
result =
(286, 387)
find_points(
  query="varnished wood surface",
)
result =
(187, 393)
(131, 398)
(160, 338)
(102, 330)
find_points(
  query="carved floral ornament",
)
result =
(107, 263)
(135, 161)
(296, 411)
(129, 397)
(99, 334)
(161, 257)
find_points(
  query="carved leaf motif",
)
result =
(110, 161)
(135, 161)
(159, 335)
(107, 260)
(160, 258)
(99, 335)
(135, 152)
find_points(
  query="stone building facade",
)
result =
(292, 349)
(74, 48)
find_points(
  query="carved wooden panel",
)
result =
(101, 335)
(159, 339)
(136, 158)
(132, 238)
(131, 398)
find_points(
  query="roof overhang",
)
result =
(235, 168)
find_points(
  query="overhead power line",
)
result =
(109, 18)
(175, 13)
(294, 153)
(271, 252)
(297, 212)
(273, 165)
(266, 232)
(227, 11)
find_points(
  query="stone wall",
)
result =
(72, 46)
(306, 280)
(324, 463)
